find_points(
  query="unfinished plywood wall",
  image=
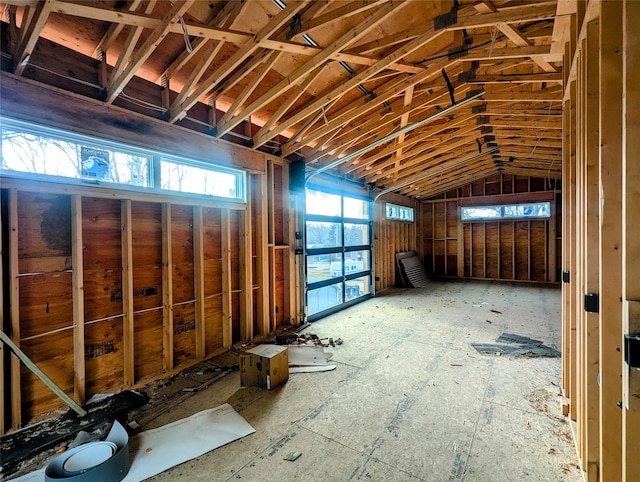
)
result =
(522, 250)
(391, 236)
(108, 291)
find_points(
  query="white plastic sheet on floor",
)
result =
(154, 451)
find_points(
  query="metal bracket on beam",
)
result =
(592, 303)
(449, 86)
(632, 350)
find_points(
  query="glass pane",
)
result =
(185, 178)
(323, 235)
(39, 154)
(323, 203)
(356, 208)
(323, 267)
(482, 212)
(355, 261)
(324, 298)
(356, 234)
(530, 210)
(356, 288)
(403, 213)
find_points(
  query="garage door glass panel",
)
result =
(324, 298)
(356, 234)
(323, 203)
(323, 235)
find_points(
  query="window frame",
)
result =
(399, 208)
(501, 208)
(154, 157)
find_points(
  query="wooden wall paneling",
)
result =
(198, 278)
(147, 265)
(521, 243)
(506, 250)
(102, 262)
(261, 214)
(538, 250)
(212, 274)
(491, 255)
(128, 330)
(14, 300)
(631, 228)
(227, 322)
(610, 269)
(183, 285)
(78, 301)
(103, 351)
(167, 288)
(591, 464)
(280, 287)
(184, 334)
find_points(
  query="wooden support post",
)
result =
(246, 284)
(198, 280)
(529, 249)
(572, 261)
(631, 228)
(433, 237)
(227, 324)
(262, 259)
(78, 299)
(610, 288)
(270, 215)
(292, 288)
(128, 333)
(484, 252)
(167, 289)
(591, 244)
(14, 303)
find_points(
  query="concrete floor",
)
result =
(410, 398)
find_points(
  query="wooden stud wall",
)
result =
(108, 293)
(525, 250)
(391, 237)
(601, 246)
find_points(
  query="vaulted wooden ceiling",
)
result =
(324, 80)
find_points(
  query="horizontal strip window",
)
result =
(39, 152)
(345, 249)
(400, 213)
(506, 211)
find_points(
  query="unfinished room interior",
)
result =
(321, 240)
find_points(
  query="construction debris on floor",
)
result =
(516, 346)
(148, 453)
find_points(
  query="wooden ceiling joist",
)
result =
(339, 84)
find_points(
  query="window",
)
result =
(183, 177)
(401, 213)
(507, 211)
(33, 150)
(51, 153)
